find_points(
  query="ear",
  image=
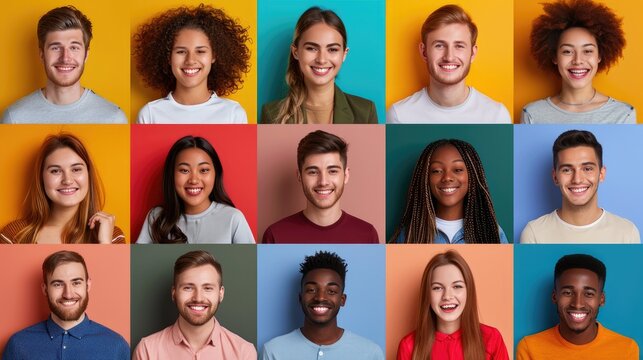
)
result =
(474, 51)
(553, 296)
(298, 175)
(173, 291)
(43, 287)
(601, 175)
(342, 302)
(221, 293)
(346, 175)
(41, 53)
(553, 176)
(602, 299)
(86, 54)
(422, 49)
(214, 58)
(293, 51)
(345, 53)
(89, 284)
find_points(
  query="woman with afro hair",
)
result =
(193, 56)
(577, 39)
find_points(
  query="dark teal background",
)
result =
(362, 73)
(494, 144)
(152, 269)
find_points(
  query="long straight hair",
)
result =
(290, 107)
(472, 342)
(164, 229)
(418, 221)
(37, 206)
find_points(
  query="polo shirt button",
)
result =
(321, 353)
(64, 346)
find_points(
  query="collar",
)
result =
(78, 331)
(448, 337)
(342, 113)
(178, 337)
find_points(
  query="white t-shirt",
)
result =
(420, 109)
(449, 227)
(214, 111)
(608, 228)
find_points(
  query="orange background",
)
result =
(492, 267)
(622, 82)
(108, 146)
(23, 303)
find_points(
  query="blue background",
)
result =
(534, 279)
(535, 193)
(362, 73)
(278, 280)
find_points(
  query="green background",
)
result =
(494, 144)
(152, 308)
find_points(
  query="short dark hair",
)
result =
(64, 18)
(59, 258)
(574, 138)
(324, 260)
(321, 142)
(581, 261)
(194, 259)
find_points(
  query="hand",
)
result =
(105, 224)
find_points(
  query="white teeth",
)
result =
(67, 303)
(579, 72)
(320, 309)
(65, 68)
(194, 191)
(324, 192)
(67, 191)
(197, 308)
(449, 67)
(191, 71)
(578, 316)
(578, 190)
(449, 306)
(448, 190)
(320, 70)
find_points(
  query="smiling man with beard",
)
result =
(64, 34)
(197, 291)
(321, 296)
(579, 281)
(322, 172)
(68, 333)
(448, 47)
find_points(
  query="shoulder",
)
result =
(356, 222)
(9, 232)
(118, 237)
(16, 111)
(154, 340)
(620, 105)
(283, 341)
(363, 109)
(498, 109)
(360, 344)
(617, 340)
(623, 225)
(236, 339)
(489, 332)
(107, 333)
(104, 109)
(540, 338)
(269, 111)
(538, 225)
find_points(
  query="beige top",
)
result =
(608, 229)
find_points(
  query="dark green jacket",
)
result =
(348, 109)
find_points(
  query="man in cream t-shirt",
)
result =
(578, 170)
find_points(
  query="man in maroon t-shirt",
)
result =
(321, 160)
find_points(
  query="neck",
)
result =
(62, 95)
(67, 324)
(448, 327)
(197, 336)
(60, 216)
(320, 95)
(448, 95)
(323, 217)
(580, 215)
(322, 334)
(582, 338)
(191, 96)
(572, 96)
(450, 213)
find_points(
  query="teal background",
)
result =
(362, 73)
(152, 269)
(494, 144)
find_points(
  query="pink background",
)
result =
(237, 149)
(23, 303)
(280, 193)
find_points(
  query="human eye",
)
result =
(204, 170)
(183, 170)
(458, 286)
(311, 172)
(77, 169)
(588, 168)
(436, 288)
(589, 294)
(435, 171)
(566, 292)
(187, 288)
(76, 282)
(54, 171)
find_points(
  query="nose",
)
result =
(67, 178)
(448, 53)
(323, 178)
(447, 294)
(577, 58)
(194, 177)
(447, 176)
(189, 57)
(67, 292)
(576, 177)
(321, 56)
(197, 295)
(577, 300)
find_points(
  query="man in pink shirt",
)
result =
(197, 292)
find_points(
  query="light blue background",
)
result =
(278, 285)
(535, 193)
(534, 282)
(362, 73)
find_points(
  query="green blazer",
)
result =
(347, 109)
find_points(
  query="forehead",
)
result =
(62, 156)
(323, 160)
(65, 36)
(321, 34)
(446, 153)
(67, 271)
(576, 36)
(193, 155)
(447, 273)
(578, 278)
(190, 35)
(322, 277)
(204, 274)
(577, 154)
(450, 33)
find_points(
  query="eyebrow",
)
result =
(185, 47)
(62, 281)
(439, 283)
(572, 287)
(56, 43)
(582, 164)
(60, 166)
(199, 164)
(570, 45)
(332, 283)
(317, 45)
(442, 162)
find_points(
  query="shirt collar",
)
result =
(78, 331)
(178, 337)
(446, 337)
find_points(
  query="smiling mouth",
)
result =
(65, 67)
(448, 307)
(320, 309)
(193, 191)
(68, 191)
(448, 190)
(579, 190)
(324, 192)
(578, 316)
(578, 73)
(68, 303)
(190, 72)
(449, 67)
(321, 71)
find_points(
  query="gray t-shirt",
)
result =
(546, 112)
(218, 224)
(295, 346)
(89, 109)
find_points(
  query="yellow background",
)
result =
(622, 82)
(245, 12)
(107, 67)
(108, 146)
(492, 69)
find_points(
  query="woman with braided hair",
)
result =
(448, 199)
